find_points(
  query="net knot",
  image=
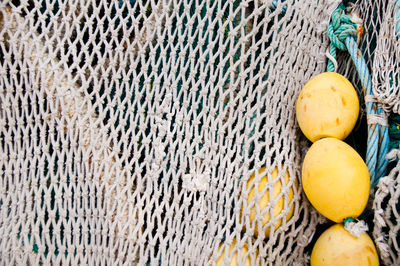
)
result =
(385, 183)
(341, 27)
(381, 243)
(393, 155)
(379, 219)
(354, 227)
(196, 182)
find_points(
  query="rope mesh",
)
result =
(129, 129)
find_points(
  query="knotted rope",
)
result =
(342, 32)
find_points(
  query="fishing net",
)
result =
(380, 47)
(134, 132)
(387, 91)
(387, 227)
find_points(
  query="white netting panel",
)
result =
(381, 49)
(379, 46)
(386, 77)
(130, 128)
(387, 217)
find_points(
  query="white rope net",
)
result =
(387, 226)
(379, 46)
(129, 130)
(386, 77)
(381, 49)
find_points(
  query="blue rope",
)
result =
(341, 32)
(378, 135)
(348, 220)
(397, 17)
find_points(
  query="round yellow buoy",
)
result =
(234, 260)
(338, 247)
(265, 198)
(335, 179)
(327, 106)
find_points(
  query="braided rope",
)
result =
(342, 32)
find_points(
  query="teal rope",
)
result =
(341, 32)
(378, 135)
(397, 17)
(339, 29)
(348, 220)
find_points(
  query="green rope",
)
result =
(339, 29)
(348, 220)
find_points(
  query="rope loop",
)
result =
(340, 27)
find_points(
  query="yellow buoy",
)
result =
(335, 179)
(327, 106)
(337, 247)
(234, 259)
(265, 198)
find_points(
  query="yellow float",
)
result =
(335, 179)
(327, 106)
(265, 198)
(337, 247)
(234, 261)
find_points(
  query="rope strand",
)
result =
(342, 32)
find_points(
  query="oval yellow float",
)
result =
(327, 106)
(335, 179)
(265, 198)
(337, 247)
(234, 260)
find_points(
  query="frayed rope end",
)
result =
(355, 228)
